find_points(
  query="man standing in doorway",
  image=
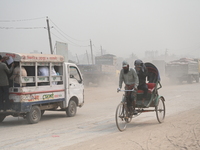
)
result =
(16, 75)
(4, 86)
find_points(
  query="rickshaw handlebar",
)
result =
(120, 90)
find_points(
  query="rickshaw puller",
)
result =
(130, 79)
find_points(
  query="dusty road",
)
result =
(94, 125)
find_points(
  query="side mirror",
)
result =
(71, 76)
(80, 81)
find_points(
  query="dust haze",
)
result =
(114, 27)
(153, 31)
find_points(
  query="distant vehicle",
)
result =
(104, 69)
(198, 61)
(91, 74)
(96, 74)
(63, 91)
(183, 70)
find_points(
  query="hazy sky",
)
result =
(121, 27)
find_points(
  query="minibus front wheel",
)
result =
(71, 109)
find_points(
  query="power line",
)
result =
(58, 37)
(73, 44)
(31, 28)
(20, 20)
(70, 40)
(66, 34)
(21, 28)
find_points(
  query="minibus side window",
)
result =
(59, 72)
(74, 73)
(43, 71)
(30, 72)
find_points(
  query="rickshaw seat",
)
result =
(151, 87)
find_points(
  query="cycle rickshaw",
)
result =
(154, 101)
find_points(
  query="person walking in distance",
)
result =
(4, 86)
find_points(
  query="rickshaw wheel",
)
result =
(121, 117)
(160, 110)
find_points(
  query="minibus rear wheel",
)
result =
(34, 115)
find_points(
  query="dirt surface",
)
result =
(180, 131)
(94, 125)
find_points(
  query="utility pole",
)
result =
(132, 60)
(77, 58)
(48, 28)
(87, 57)
(91, 52)
(166, 53)
(101, 51)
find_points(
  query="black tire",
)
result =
(2, 117)
(160, 110)
(121, 117)
(34, 115)
(71, 109)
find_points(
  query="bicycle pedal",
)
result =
(127, 118)
(121, 117)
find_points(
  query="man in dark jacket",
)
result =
(142, 75)
(4, 86)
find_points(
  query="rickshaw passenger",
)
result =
(142, 75)
(16, 75)
(43, 71)
(130, 79)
